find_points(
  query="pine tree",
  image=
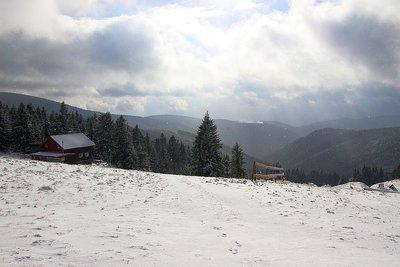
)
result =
(5, 127)
(238, 169)
(64, 119)
(34, 121)
(90, 127)
(123, 154)
(103, 131)
(183, 159)
(139, 144)
(162, 154)
(226, 163)
(206, 151)
(60, 122)
(23, 131)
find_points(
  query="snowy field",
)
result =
(53, 214)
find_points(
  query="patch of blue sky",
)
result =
(116, 11)
(278, 5)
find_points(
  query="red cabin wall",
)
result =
(86, 155)
(50, 145)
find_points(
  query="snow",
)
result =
(396, 183)
(52, 214)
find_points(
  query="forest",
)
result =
(127, 147)
(367, 175)
(119, 144)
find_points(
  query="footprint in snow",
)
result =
(233, 250)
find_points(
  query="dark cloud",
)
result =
(120, 47)
(306, 106)
(34, 63)
(368, 41)
(21, 55)
(120, 91)
(368, 100)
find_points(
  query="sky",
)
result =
(290, 61)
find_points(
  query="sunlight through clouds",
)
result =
(185, 53)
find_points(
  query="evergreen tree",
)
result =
(5, 127)
(123, 154)
(64, 119)
(356, 175)
(369, 175)
(172, 154)
(34, 121)
(23, 131)
(139, 144)
(206, 151)
(44, 121)
(115, 142)
(296, 176)
(238, 169)
(137, 137)
(226, 163)
(60, 121)
(183, 159)
(90, 127)
(102, 137)
(162, 154)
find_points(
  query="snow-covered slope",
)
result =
(69, 215)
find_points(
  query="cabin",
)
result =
(66, 148)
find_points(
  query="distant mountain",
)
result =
(256, 139)
(50, 105)
(336, 150)
(340, 151)
(352, 124)
(183, 128)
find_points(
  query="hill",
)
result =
(55, 214)
(50, 105)
(256, 139)
(328, 150)
(340, 151)
(352, 124)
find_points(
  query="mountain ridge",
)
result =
(342, 150)
(270, 141)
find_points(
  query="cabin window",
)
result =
(86, 154)
(46, 146)
(80, 155)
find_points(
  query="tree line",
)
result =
(366, 175)
(316, 177)
(121, 145)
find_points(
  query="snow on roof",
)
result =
(74, 140)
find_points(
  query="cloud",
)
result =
(367, 41)
(176, 103)
(129, 105)
(242, 59)
(122, 46)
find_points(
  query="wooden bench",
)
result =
(271, 172)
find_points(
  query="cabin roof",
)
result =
(74, 140)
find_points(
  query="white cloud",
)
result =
(218, 50)
(176, 103)
(129, 105)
